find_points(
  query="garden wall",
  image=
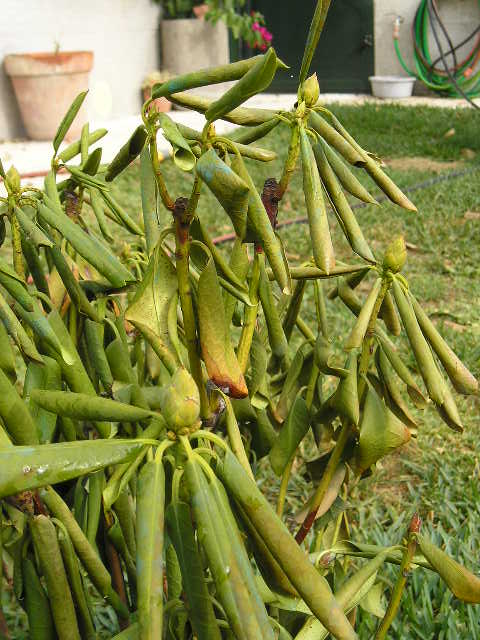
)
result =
(122, 33)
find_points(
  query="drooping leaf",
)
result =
(149, 200)
(44, 376)
(291, 434)
(28, 467)
(381, 432)
(199, 604)
(317, 215)
(205, 77)
(148, 310)
(218, 354)
(67, 120)
(183, 156)
(127, 154)
(81, 406)
(149, 561)
(229, 188)
(463, 584)
(93, 251)
(257, 79)
(261, 228)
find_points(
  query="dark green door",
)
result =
(344, 57)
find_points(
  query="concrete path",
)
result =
(34, 157)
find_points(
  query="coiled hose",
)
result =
(452, 78)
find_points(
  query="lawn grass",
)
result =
(438, 473)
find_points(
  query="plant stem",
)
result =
(162, 187)
(17, 246)
(283, 487)
(182, 245)
(324, 482)
(248, 329)
(292, 157)
(368, 342)
(397, 592)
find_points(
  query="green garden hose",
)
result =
(451, 78)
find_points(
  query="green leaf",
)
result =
(347, 219)
(149, 308)
(205, 77)
(421, 350)
(291, 434)
(127, 154)
(81, 406)
(183, 156)
(17, 332)
(92, 250)
(229, 189)
(42, 376)
(311, 586)
(261, 228)
(346, 178)
(276, 335)
(25, 468)
(67, 120)
(461, 378)
(198, 600)
(60, 597)
(31, 231)
(218, 354)
(463, 584)
(74, 149)
(345, 400)
(323, 252)
(257, 79)
(357, 335)
(36, 604)
(149, 561)
(381, 432)
(241, 115)
(149, 200)
(372, 601)
(325, 358)
(316, 27)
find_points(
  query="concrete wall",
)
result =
(460, 17)
(122, 33)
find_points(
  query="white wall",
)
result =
(459, 16)
(122, 33)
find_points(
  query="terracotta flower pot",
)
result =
(45, 85)
(161, 105)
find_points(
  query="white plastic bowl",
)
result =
(392, 86)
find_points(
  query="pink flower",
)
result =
(256, 27)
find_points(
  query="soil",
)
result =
(419, 163)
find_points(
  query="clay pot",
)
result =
(45, 85)
(161, 105)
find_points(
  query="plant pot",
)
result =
(392, 87)
(161, 105)
(45, 85)
(191, 44)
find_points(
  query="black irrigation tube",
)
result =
(229, 237)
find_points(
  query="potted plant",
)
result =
(161, 105)
(45, 84)
(194, 35)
